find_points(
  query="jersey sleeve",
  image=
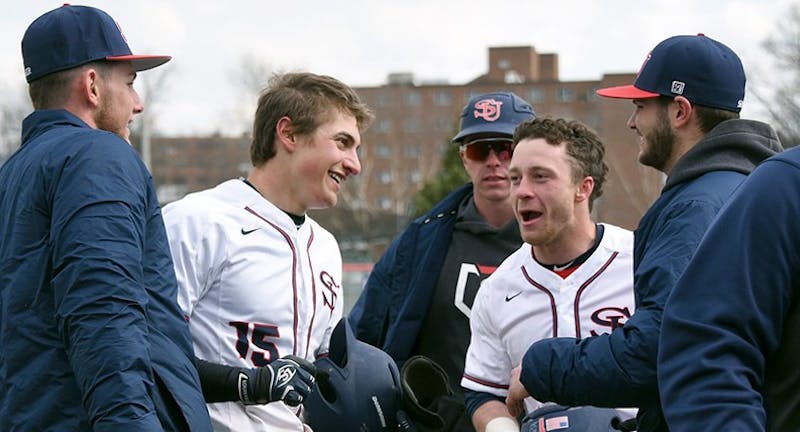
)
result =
(487, 367)
(333, 319)
(728, 312)
(330, 317)
(197, 251)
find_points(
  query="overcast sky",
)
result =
(360, 42)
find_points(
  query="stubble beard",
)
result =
(660, 144)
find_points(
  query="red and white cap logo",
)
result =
(487, 109)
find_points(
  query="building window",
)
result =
(536, 96)
(471, 94)
(384, 125)
(566, 94)
(384, 203)
(411, 125)
(382, 100)
(593, 120)
(414, 177)
(413, 151)
(384, 177)
(591, 95)
(443, 98)
(383, 150)
(445, 124)
(413, 98)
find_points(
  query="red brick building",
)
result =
(414, 123)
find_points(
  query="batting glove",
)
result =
(288, 379)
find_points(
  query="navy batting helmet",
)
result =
(362, 391)
(498, 112)
(572, 419)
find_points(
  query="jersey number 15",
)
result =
(259, 335)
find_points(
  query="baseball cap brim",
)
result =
(142, 62)
(626, 92)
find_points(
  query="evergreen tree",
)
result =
(451, 176)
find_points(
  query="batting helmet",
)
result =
(362, 391)
(498, 112)
(572, 419)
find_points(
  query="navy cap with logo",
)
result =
(70, 36)
(704, 71)
(498, 112)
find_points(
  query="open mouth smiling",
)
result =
(338, 178)
(530, 215)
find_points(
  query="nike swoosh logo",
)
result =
(245, 232)
(509, 298)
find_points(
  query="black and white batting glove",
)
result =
(288, 379)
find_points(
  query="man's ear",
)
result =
(585, 189)
(90, 85)
(680, 112)
(463, 158)
(284, 134)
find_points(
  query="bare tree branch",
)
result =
(780, 92)
(14, 106)
(250, 77)
(152, 87)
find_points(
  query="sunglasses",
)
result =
(479, 149)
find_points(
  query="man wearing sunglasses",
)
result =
(418, 298)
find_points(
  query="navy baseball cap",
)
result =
(498, 112)
(704, 71)
(71, 36)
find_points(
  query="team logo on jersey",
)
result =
(469, 280)
(487, 109)
(329, 295)
(611, 317)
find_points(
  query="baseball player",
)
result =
(259, 279)
(571, 277)
(418, 297)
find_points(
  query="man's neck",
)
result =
(496, 213)
(266, 180)
(570, 244)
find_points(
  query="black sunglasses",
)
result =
(479, 149)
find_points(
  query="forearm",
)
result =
(110, 359)
(574, 373)
(220, 383)
(489, 411)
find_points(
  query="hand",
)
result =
(516, 394)
(288, 379)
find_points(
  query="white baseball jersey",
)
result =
(523, 302)
(254, 288)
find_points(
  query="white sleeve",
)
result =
(191, 243)
(487, 367)
(336, 314)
